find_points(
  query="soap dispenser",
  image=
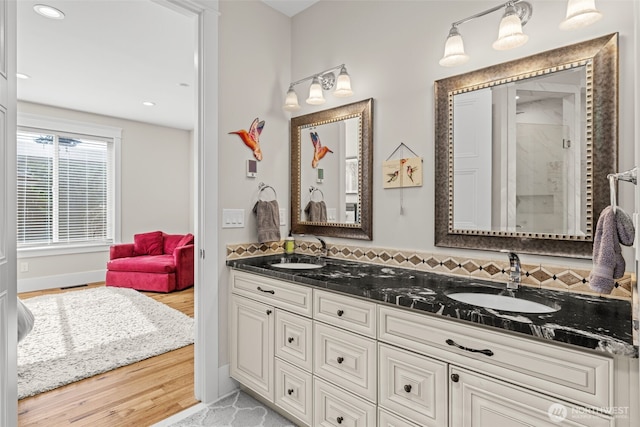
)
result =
(289, 244)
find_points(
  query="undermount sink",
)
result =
(297, 265)
(502, 302)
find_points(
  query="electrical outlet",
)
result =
(283, 218)
(24, 267)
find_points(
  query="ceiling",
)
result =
(109, 56)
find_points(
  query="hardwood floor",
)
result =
(137, 395)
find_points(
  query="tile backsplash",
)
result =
(536, 275)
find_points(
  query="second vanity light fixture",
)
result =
(324, 80)
(510, 35)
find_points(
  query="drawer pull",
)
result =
(473, 350)
(272, 292)
(339, 420)
(407, 388)
(340, 313)
(290, 391)
(340, 359)
(455, 378)
(290, 339)
(268, 312)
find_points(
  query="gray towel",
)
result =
(268, 220)
(613, 228)
(316, 211)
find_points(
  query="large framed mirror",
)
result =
(331, 172)
(523, 150)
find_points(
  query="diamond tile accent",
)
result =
(492, 269)
(470, 266)
(569, 278)
(451, 264)
(432, 262)
(540, 275)
(415, 260)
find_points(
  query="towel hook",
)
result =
(262, 186)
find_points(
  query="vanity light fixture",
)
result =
(510, 35)
(580, 13)
(324, 80)
(48, 11)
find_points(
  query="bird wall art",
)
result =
(400, 173)
(252, 138)
(319, 151)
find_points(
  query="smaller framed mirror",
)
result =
(331, 172)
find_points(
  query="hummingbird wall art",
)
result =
(319, 151)
(252, 138)
(400, 173)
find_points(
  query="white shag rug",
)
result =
(83, 333)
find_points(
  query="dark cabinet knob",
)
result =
(407, 388)
(339, 420)
(455, 378)
(290, 391)
(268, 312)
(290, 339)
(340, 359)
(340, 313)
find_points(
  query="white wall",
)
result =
(254, 67)
(156, 187)
(392, 48)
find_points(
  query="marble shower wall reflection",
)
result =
(536, 275)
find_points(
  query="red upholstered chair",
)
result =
(155, 261)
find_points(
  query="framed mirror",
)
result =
(331, 172)
(523, 150)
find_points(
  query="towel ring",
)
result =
(312, 190)
(262, 186)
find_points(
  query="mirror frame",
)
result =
(600, 56)
(364, 229)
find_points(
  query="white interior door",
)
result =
(8, 286)
(472, 160)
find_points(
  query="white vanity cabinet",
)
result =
(328, 359)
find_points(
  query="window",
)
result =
(65, 194)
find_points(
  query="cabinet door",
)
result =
(387, 419)
(480, 401)
(334, 407)
(294, 391)
(413, 386)
(294, 339)
(251, 351)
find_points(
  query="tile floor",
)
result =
(236, 410)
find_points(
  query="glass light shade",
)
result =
(453, 50)
(580, 13)
(315, 93)
(291, 101)
(343, 84)
(510, 34)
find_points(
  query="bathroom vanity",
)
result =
(364, 345)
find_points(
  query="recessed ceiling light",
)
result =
(23, 76)
(48, 11)
(148, 103)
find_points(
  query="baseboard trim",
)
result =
(61, 280)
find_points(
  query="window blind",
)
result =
(65, 189)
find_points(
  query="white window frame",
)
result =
(84, 128)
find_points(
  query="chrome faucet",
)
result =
(323, 245)
(514, 272)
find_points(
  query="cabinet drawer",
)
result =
(346, 359)
(581, 377)
(481, 401)
(294, 391)
(295, 298)
(294, 339)
(334, 407)
(388, 419)
(413, 386)
(345, 312)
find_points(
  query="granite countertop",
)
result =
(592, 322)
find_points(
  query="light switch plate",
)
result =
(283, 218)
(233, 218)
